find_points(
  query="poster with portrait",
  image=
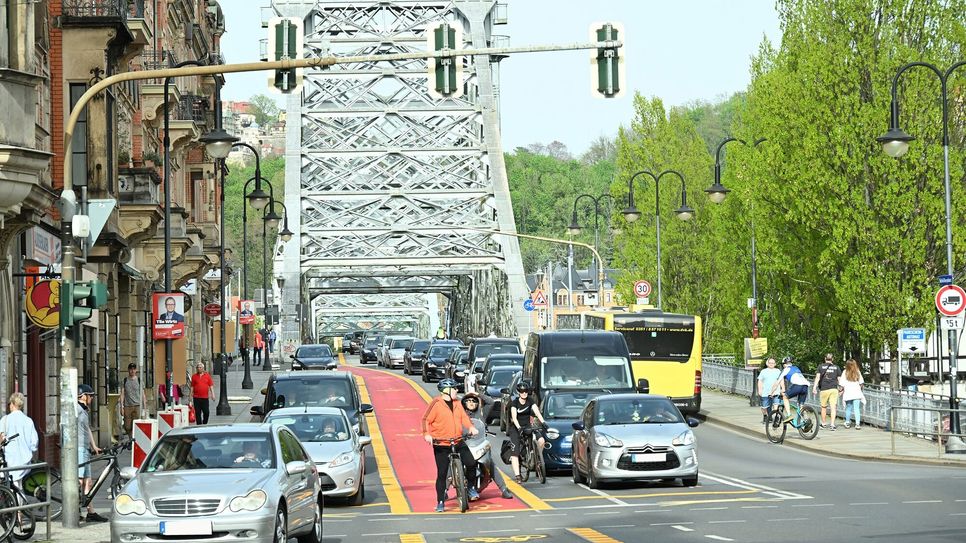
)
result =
(246, 312)
(168, 315)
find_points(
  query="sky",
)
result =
(680, 51)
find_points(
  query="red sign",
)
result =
(246, 312)
(168, 309)
(212, 310)
(950, 300)
(42, 303)
(539, 299)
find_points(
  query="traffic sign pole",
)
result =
(950, 302)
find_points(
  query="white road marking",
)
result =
(618, 526)
(869, 503)
(707, 509)
(842, 518)
(733, 481)
(924, 501)
(650, 511)
(604, 513)
(500, 516)
(786, 519)
(604, 494)
(682, 528)
(718, 537)
(813, 505)
(670, 523)
(759, 507)
(548, 515)
(549, 528)
(956, 514)
(725, 521)
(389, 519)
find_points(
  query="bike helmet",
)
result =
(788, 360)
(446, 383)
(471, 396)
(524, 386)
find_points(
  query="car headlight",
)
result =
(341, 459)
(605, 440)
(459, 374)
(430, 365)
(553, 433)
(126, 505)
(686, 438)
(253, 501)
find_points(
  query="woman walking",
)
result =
(851, 382)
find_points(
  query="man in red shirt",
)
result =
(201, 385)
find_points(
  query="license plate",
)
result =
(649, 457)
(185, 527)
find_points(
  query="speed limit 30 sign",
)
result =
(642, 289)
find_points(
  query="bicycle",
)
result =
(37, 480)
(457, 477)
(805, 421)
(530, 459)
(19, 524)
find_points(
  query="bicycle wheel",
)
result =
(775, 428)
(526, 461)
(24, 525)
(538, 466)
(808, 422)
(7, 520)
(35, 490)
(459, 483)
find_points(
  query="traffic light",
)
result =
(285, 43)
(72, 294)
(608, 62)
(445, 73)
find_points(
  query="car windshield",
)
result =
(502, 376)
(637, 411)
(565, 405)
(314, 427)
(421, 346)
(442, 351)
(313, 351)
(497, 362)
(461, 358)
(485, 349)
(372, 342)
(227, 450)
(312, 392)
(586, 371)
(401, 344)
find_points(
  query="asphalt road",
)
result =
(749, 490)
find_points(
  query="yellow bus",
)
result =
(665, 349)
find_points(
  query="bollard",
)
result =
(167, 421)
(145, 436)
(183, 415)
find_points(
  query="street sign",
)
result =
(945, 280)
(539, 300)
(951, 323)
(212, 309)
(951, 300)
(642, 289)
(912, 340)
(528, 305)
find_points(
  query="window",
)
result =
(580, 299)
(78, 144)
(291, 451)
(607, 297)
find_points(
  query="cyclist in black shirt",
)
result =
(521, 412)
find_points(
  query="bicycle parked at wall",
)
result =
(805, 421)
(19, 524)
(112, 470)
(457, 478)
(531, 456)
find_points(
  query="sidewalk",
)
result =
(240, 401)
(870, 443)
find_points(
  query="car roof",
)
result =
(501, 369)
(632, 396)
(510, 356)
(505, 340)
(314, 345)
(322, 375)
(316, 410)
(236, 428)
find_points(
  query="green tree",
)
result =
(264, 109)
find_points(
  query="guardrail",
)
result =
(36, 505)
(940, 423)
(720, 374)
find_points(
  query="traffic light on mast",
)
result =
(445, 73)
(78, 300)
(285, 38)
(608, 62)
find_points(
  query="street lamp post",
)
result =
(270, 219)
(717, 193)
(895, 143)
(684, 213)
(574, 228)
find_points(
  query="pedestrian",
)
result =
(766, 387)
(851, 383)
(826, 387)
(272, 336)
(86, 444)
(132, 398)
(163, 395)
(201, 385)
(259, 345)
(20, 451)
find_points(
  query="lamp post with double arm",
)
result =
(574, 228)
(684, 213)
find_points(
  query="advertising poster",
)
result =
(246, 312)
(168, 315)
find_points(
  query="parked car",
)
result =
(482, 347)
(633, 436)
(314, 389)
(368, 351)
(338, 452)
(456, 367)
(507, 396)
(396, 351)
(490, 385)
(434, 368)
(346, 343)
(477, 369)
(200, 482)
(415, 355)
(314, 357)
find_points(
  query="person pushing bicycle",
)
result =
(444, 422)
(792, 384)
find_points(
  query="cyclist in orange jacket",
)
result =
(444, 421)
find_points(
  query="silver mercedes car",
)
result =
(244, 482)
(336, 449)
(633, 436)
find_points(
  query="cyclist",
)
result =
(521, 412)
(792, 384)
(443, 421)
(471, 404)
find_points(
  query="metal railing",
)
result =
(96, 8)
(939, 423)
(192, 107)
(36, 505)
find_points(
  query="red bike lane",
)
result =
(398, 408)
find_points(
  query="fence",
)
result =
(916, 415)
(939, 431)
(41, 466)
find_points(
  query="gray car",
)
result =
(244, 482)
(336, 449)
(633, 436)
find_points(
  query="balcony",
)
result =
(106, 10)
(192, 107)
(139, 202)
(140, 23)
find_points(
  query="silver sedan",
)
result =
(336, 449)
(633, 436)
(244, 482)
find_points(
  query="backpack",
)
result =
(505, 451)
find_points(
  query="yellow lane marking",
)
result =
(592, 535)
(631, 496)
(411, 538)
(518, 490)
(397, 500)
(342, 361)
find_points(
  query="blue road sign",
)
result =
(528, 305)
(945, 280)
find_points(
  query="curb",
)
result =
(919, 460)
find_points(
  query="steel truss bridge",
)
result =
(381, 178)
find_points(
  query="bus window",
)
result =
(658, 341)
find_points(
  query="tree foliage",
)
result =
(264, 109)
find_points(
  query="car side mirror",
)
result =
(579, 426)
(264, 391)
(257, 411)
(477, 370)
(128, 472)
(292, 356)
(693, 422)
(364, 442)
(295, 467)
(365, 408)
(643, 386)
(504, 391)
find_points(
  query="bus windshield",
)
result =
(586, 371)
(658, 339)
